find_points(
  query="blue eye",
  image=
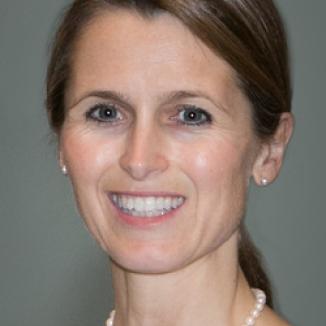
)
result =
(193, 116)
(104, 113)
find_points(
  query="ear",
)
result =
(271, 154)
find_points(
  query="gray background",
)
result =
(51, 271)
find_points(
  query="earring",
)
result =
(264, 182)
(64, 170)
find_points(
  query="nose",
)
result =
(143, 154)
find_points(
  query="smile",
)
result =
(146, 206)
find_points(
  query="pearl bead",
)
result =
(250, 321)
(254, 313)
(259, 307)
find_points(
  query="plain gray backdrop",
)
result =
(53, 273)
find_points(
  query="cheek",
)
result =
(86, 155)
(217, 165)
(220, 180)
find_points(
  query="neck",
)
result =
(210, 291)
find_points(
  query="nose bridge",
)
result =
(140, 143)
(143, 154)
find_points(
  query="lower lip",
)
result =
(144, 222)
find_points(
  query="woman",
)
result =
(164, 112)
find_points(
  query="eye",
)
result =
(104, 113)
(193, 116)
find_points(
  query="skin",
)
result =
(183, 271)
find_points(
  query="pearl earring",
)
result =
(64, 170)
(264, 182)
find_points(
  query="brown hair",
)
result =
(248, 34)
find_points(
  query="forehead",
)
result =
(125, 51)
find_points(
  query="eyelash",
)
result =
(192, 108)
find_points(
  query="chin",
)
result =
(148, 260)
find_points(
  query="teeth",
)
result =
(146, 206)
(130, 203)
(150, 204)
(175, 203)
(139, 204)
(159, 203)
(124, 201)
(167, 203)
(149, 213)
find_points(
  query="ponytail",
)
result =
(251, 263)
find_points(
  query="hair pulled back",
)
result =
(248, 34)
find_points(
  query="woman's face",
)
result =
(158, 142)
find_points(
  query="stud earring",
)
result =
(64, 170)
(264, 182)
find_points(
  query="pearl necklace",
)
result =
(251, 319)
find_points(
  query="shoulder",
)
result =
(270, 318)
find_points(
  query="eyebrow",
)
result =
(105, 95)
(164, 98)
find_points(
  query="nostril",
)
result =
(141, 167)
